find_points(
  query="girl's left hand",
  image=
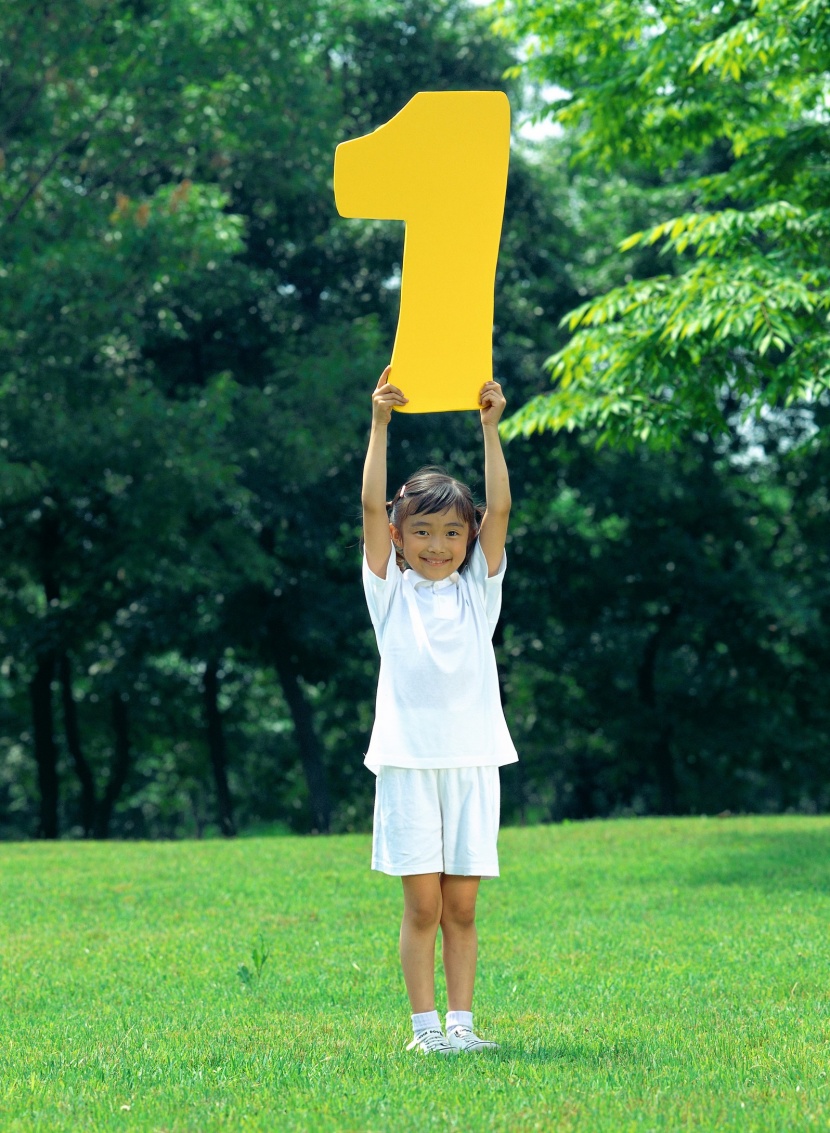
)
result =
(492, 402)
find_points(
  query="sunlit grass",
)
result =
(644, 974)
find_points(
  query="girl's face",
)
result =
(433, 544)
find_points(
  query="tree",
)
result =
(726, 101)
(120, 259)
(666, 629)
(187, 329)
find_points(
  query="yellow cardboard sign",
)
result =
(440, 165)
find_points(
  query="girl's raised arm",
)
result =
(493, 530)
(376, 535)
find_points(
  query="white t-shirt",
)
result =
(438, 702)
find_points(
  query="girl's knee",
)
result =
(423, 904)
(422, 914)
(458, 915)
(459, 901)
(423, 917)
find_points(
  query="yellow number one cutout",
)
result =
(440, 165)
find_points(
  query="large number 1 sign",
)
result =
(440, 165)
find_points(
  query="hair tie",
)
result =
(403, 489)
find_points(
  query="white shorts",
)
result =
(437, 820)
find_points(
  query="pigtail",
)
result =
(391, 508)
(479, 515)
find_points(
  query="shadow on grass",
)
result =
(572, 1053)
(768, 860)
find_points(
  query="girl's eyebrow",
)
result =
(428, 522)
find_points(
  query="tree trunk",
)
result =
(46, 754)
(73, 742)
(664, 769)
(120, 765)
(661, 760)
(216, 745)
(583, 803)
(310, 752)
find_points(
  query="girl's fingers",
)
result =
(489, 391)
(389, 391)
(382, 378)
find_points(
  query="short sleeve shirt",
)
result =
(438, 699)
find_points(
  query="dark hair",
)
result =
(430, 491)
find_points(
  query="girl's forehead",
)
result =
(451, 517)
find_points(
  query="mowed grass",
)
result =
(646, 974)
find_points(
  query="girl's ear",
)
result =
(396, 536)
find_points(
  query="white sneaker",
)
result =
(432, 1042)
(463, 1038)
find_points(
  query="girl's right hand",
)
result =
(385, 397)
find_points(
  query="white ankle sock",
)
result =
(425, 1021)
(459, 1019)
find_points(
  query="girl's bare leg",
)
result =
(459, 938)
(419, 928)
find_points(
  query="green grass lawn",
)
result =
(640, 974)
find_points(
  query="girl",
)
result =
(439, 735)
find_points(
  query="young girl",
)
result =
(439, 735)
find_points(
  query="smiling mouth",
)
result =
(435, 562)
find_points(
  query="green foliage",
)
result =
(160, 165)
(189, 335)
(726, 100)
(655, 602)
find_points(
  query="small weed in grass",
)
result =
(259, 954)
